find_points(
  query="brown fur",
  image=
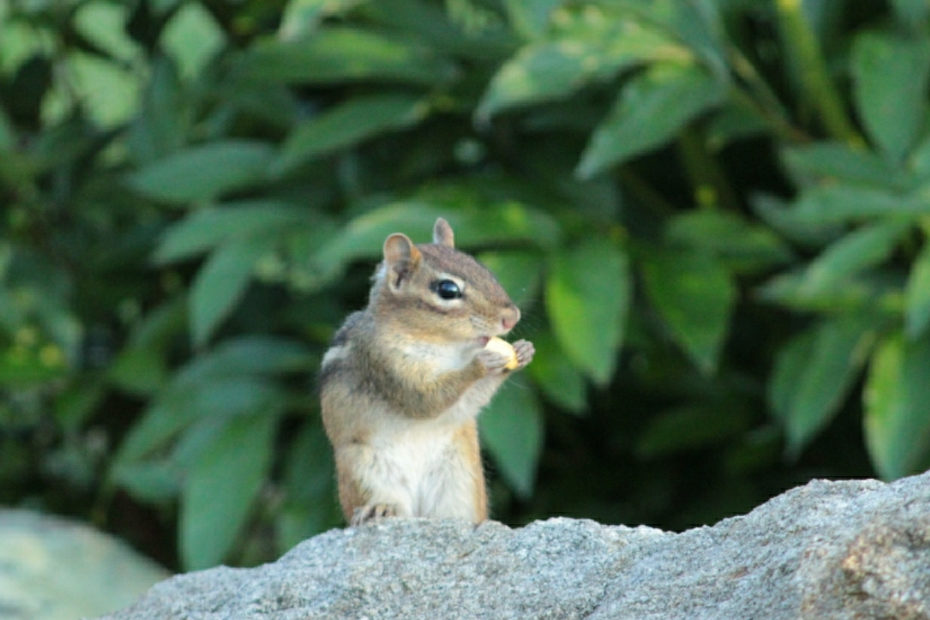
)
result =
(466, 441)
(411, 366)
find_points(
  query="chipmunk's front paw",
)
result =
(524, 351)
(494, 360)
(372, 512)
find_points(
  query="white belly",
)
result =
(419, 470)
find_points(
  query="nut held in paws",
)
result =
(499, 345)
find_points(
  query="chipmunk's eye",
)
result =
(447, 289)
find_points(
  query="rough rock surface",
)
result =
(53, 568)
(852, 549)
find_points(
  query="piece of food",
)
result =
(503, 347)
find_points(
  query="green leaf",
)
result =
(227, 397)
(108, 92)
(141, 367)
(829, 205)
(732, 122)
(160, 422)
(203, 172)
(512, 432)
(248, 355)
(192, 38)
(694, 295)
(833, 162)
(301, 17)
(917, 295)
(221, 282)
(897, 407)
(690, 427)
(697, 24)
(185, 402)
(309, 506)
(310, 453)
(780, 217)
(104, 25)
(164, 117)
(227, 381)
(219, 492)
(813, 374)
(651, 109)
(463, 29)
(334, 55)
(518, 272)
(919, 161)
(742, 246)
(138, 370)
(347, 124)
(588, 291)
(193, 442)
(77, 403)
(890, 75)
(560, 381)
(858, 250)
(205, 229)
(530, 17)
(911, 13)
(547, 70)
(869, 290)
(155, 482)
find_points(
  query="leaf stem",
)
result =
(644, 193)
(815, 79)
(758, 97)
(710, 185)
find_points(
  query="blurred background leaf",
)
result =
(890, 75)
(203, 172)
(897, 427)
(694, 295)
(813, 375)
(588, 306)
(221, 488)
(512, 432)
(650, 110)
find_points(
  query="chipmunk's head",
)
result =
(434, 292)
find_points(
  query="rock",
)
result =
(55, 568)
(852, 549)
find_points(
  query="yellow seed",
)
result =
(503, 347)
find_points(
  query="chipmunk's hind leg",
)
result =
(372, 512)
(368, 486)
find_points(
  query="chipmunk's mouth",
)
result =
(483, 340)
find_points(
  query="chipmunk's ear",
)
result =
(401, 258)
(442, 233)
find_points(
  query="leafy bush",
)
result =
(712, 213)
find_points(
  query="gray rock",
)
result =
(853, 549)
(55, 568)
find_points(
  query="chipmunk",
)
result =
(404, 380)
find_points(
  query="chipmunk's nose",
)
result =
(510, 318)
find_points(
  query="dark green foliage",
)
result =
(712, 213)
